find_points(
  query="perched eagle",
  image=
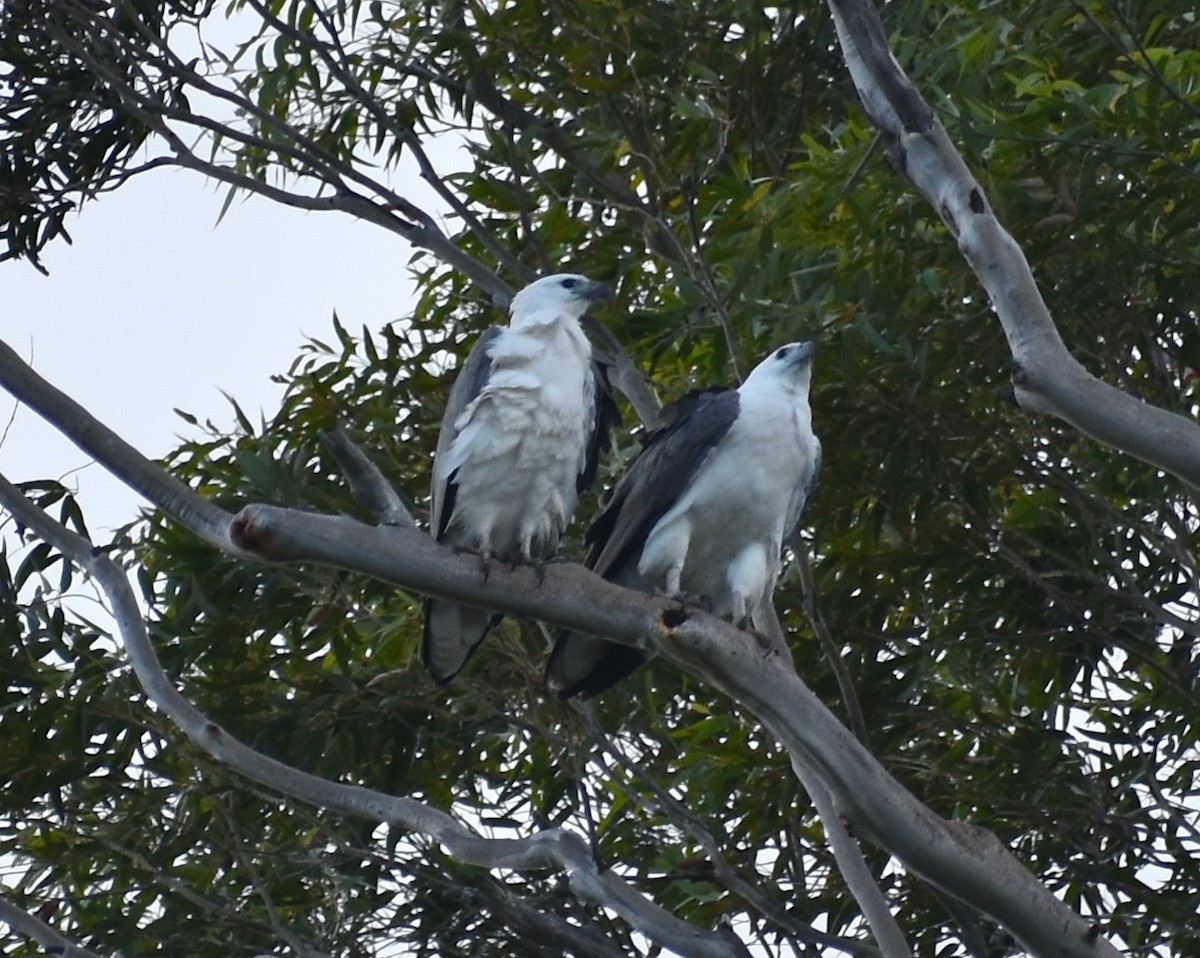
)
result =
(524, 426)
(704, 509)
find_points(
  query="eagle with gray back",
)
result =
(704, 509)
(524, 426)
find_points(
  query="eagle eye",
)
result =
(568, 284)
(782, 354)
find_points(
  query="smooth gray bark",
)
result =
(1046, 377)
(969, 862)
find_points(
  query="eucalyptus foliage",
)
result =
(1014, 605)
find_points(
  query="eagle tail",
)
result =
(585, 666)
(452, 634)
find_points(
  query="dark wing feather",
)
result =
(606, 418)
(452, 632)
(692, 427)
(470, 382)
(672, 455)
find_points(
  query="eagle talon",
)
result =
(484, 556)
(688, 602)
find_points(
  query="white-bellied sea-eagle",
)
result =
(704, 509)
(525, 423)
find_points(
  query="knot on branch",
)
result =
(1025, 394)
(673, 617)
(246, 532)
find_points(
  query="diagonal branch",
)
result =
(969, 862)
(552, 848)
(32, 927)
(853, 867)
(1046, 377)
(170, 495)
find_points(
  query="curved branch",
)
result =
(1046, 377)
(553, 848)
(34, 928)
(969, 862)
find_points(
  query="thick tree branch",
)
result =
(166, 492)
(32, 927)
(969, 862)
(553, 848)
(1047, 378)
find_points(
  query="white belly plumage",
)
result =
(518, 459)
(722, 539)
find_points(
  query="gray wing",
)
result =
(804, 491)
(452, 632)
(471, 379)
(662, 472)
(605, 418)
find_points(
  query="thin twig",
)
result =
(666, 804)
(833, 654)
(700, 265)
(854, 869)
(246, 862)
(366, 480)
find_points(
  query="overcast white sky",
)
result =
(156, 306)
